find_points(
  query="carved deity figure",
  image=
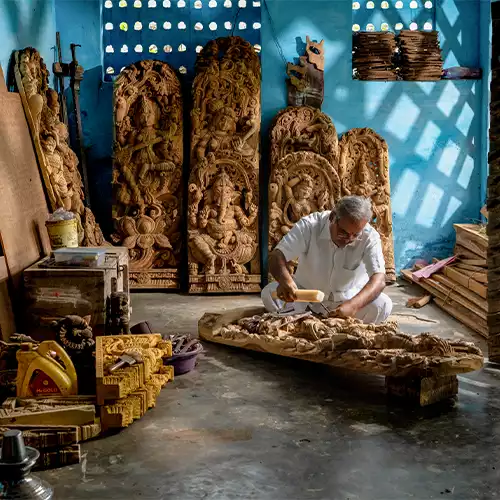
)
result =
(58, 162)
(223, 184)
(147, 171)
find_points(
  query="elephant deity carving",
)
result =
(58, 162)
(224, 180)
(147, 172)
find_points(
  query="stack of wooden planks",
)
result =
(461, 287)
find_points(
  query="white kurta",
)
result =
(340, 273)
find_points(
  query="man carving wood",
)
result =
(339, 253)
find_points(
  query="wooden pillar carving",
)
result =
(147, 172)
(223, 187)
(493, 228)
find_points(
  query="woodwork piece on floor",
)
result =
(423, 391)
(377, 349)
(364, 171)
(58, 163)
(74, 334)
(444, 292)
(223, 200)
(462, 314)
(54, 292)
(418, 302)
(473, 237)
(58, 457)
(147, 172)
(306, 84)
(52, 436)
(124, 381)
(304, 178)
(46, 414)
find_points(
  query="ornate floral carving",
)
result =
(364, 170)
(58, 162)
(148, 166)
(224, 180)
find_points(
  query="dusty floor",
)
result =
(251, 426)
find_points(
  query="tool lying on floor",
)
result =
(127, 359)
(313, 296)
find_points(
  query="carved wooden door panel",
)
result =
(304, 168)
(223, 238)
(147, 172)
(364, 170)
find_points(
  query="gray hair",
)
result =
(356, 208)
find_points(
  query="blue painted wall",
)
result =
(24, 23)
(435, 130)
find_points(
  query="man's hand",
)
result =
(286, 291)
(346, 310)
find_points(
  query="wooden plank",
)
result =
(463, 252)
(473, 285)
(462, 290)
(444, 293)
(480, 277)
(3, 83)
(22, 223)
(464, 316)
(471, 237)
(476, 269)
(7, 321)
(475, 262)
(69, 415)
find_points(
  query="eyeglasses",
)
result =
(346, 235)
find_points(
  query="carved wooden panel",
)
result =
(58, 163)
(364, 170)
(304, 178)
(147, 172)
(223, 187)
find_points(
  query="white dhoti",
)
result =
(375, 312)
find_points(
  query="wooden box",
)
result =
(54, 292)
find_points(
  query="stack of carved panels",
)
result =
(372, 57)
(420, 55)
(311, 170)
(127, 393)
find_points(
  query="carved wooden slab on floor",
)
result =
(424, 362)
(223, 187)
(58, 162)
(147, 172)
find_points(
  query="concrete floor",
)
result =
(245, 425)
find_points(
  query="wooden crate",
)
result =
(54, 292)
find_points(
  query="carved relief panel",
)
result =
(223, 199)
(304, 178)
(364, 170)
(147, 172)
(58, 162)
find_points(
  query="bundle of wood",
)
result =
(460, 287)
(420, 55)
(373, 54)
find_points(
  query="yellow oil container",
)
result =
(39, 374)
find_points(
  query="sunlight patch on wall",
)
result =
(453, 205)
(448, 99)
(449, 157)
(402, 118)
(375, 96)
(466, 172)
(426, 145)
(429, 206)
(465, 119)
(404, 192)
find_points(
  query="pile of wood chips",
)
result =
(460, 288)
(373, 54)
(420, 55)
